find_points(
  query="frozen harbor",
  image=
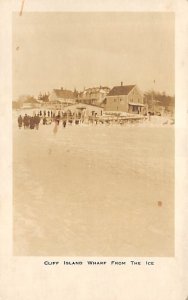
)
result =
(94, 191)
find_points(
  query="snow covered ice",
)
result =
(93, 190)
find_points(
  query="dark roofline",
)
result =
(121, 90)
(96, 87)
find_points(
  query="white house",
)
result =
(94, 95)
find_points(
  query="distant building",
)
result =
(84, 109)
(62, 96)
(95, 95)
(53, 105)
(125, 98)
(30, 103)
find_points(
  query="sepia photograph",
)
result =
(93, 117)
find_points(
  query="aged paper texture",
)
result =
(102, 183)
(93, 149)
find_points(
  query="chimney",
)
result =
(121, 83)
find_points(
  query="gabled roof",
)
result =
(96, 89)
(120, 90)
(64, 94)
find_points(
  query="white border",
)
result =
(26, 277)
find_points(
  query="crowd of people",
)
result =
(29, 122)
(46, 117)
(68, 118)
(32, 122)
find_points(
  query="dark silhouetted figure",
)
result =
(44, 121)
(57, 119)
(20, 121)
(32, 123)
(37, 121)
(26, 121)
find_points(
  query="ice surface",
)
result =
(93, 190)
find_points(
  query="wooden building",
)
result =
(63, 97)
(125, 98)
(95, 95)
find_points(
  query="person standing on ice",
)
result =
(64, 123)
(26, 121)
(57, 120)
(37, 121)
(20, 121)
(32, 123)
(44, 121)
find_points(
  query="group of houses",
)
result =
(93, 101)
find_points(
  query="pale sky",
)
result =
(77, 50)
